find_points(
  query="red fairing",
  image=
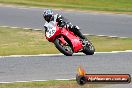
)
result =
(76, 43)
(58, 31)
(75, 40)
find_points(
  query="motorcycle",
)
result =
(66, 41)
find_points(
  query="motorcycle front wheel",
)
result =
(66, 49)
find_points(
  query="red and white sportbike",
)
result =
(66, 41)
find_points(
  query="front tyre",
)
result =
(89, 49)
(66, 49)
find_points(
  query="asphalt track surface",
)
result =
(92, 23)
(14, 69)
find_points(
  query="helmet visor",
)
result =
(47, 17)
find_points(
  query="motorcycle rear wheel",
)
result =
(89, 49)
(65, 49)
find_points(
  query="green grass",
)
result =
(14, 41)
(98, 5)
(20, 41)
(111, 44)
(49, 84)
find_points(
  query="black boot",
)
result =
(78, 33)
(83, 38)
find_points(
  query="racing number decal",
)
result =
(51, 32)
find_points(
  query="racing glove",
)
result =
(61, 23)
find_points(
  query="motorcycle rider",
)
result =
(62, 22)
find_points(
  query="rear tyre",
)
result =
(65, 49)
(89, 49)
